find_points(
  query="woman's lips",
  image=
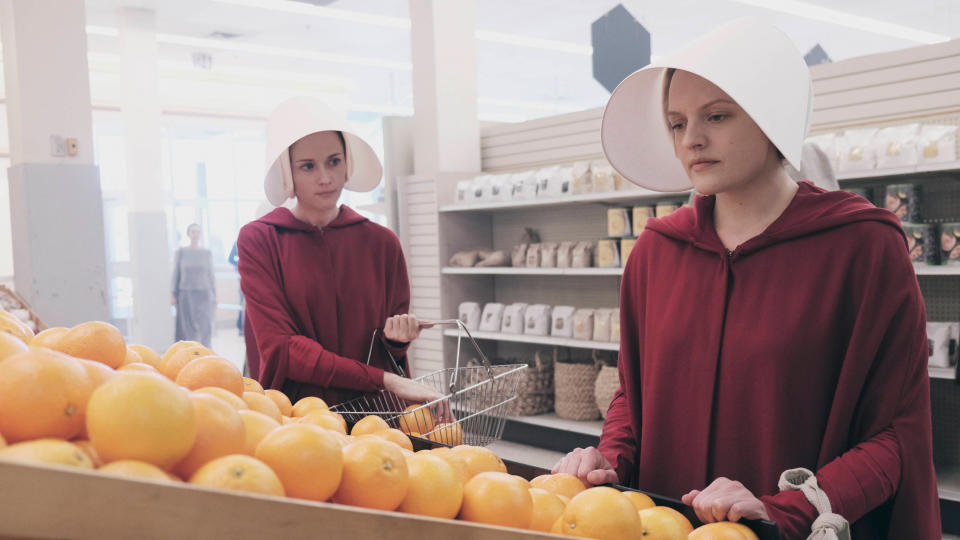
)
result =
(702, 164)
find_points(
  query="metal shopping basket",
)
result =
(474, 403)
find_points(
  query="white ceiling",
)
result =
(514, 82)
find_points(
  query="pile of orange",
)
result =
(82, 397)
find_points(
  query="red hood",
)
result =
(283, 218)
(812, 210)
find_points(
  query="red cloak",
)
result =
(805, 347)
(314, 297)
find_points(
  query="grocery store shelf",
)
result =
(937, 270)
(510, 271)
(540, 340)
(942, 373)
(635, 194)
(550, 432)
(879, 174)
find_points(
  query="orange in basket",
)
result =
(449, 434)
(369, 425)
(417, 421)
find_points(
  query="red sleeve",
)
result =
(892, 464)
(617, 442)
(860, 480)
(398, 301)
(285, 354)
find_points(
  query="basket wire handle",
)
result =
(461, 328)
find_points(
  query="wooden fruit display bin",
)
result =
(38, 323)
(47, 502)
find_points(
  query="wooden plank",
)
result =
(61, 502)
(586, 126)
(917, 90)
(540, 123)
(584, 138)
(940, 103)
(870, 79)
(545, 157)
(886, 60)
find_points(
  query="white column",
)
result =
(152, 324)
(56, 209)
(444, 51)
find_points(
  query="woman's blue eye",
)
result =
(676, 126)
(334, 162)
(717, 117)
(306, 166)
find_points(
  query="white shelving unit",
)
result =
(942, 373)
(948, 483)
(884, 174)
(615, 197)
(540, 340)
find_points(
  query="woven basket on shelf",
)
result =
(574, 390)
(535, 391)
(13, 297)
(608, 380)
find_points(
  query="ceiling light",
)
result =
(402, 23)
(857, 22)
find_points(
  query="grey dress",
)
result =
(195, 289)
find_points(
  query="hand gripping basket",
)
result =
(479, 398)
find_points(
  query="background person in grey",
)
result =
(194, 289)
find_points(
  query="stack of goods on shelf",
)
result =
(479, 258)
(581, 178)
(943, 338)
(568, 322)
(553, 255)
(890, 147)
(929, 244)
(624, 226)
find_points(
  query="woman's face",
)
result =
(720, 146)
(319, 169)
(194, 234)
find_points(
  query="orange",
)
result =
(257, 425)
(375, 475)
(171, 366)
(496, 498)
(448, 434)
(434, 490)
(135, 469)
(220, 432)
(261, 403)
(89, 450)
(306, 458)
(235, 401)
(395, 436)
(42, 394)
(94, 340)
(49, 337)
(561, 484)
(340, 420)
(287, 420)
(547, 508)
(601, 512)
(147, 355)
(664, 523)
(282, 401)
(557, 527)
(143, 417)
(417, 418)
(480, 460)
(308, 404)
(323, 419)
(47, 451)
(239, 473)
(176, 347)
(132, 356)
(98, 373)
(454, 460)
(138, 366)
(368, 425)
(723, 530)
(10, 324)
(3, 442)
(10, 345)
(211, 371)
(640, 501)
(250, 385)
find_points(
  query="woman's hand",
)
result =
(402, 328)
(725, 500)
(589, 465)
(414, 392)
